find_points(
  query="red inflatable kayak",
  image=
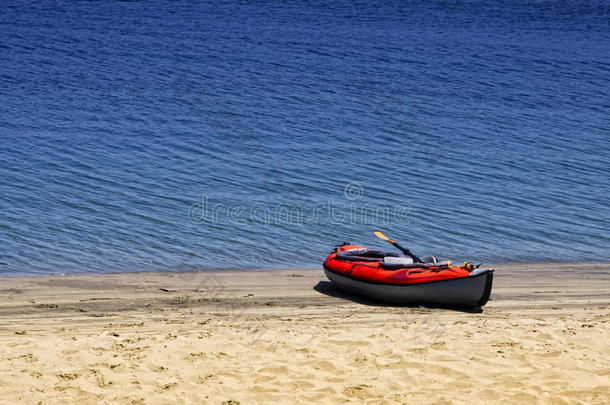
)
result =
(385, 276)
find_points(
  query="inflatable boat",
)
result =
(390, 278)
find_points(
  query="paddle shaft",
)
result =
(397, 246)
(407, 252)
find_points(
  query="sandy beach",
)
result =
(287, 336)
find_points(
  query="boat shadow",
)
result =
(327, 288)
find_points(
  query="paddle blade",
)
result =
(382, 236)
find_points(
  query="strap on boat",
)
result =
(426, 266)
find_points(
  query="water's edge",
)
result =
(605, 268)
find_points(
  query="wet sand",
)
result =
(287, 336)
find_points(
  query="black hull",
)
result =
(471, 291)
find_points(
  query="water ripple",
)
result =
(485, 122)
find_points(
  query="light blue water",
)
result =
(258, 134)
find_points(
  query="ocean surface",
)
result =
(181, 135)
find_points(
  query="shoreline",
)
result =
(288, 335)
(561, 264)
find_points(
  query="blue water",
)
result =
(258, 134)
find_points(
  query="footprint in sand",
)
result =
(302, 385)
(361, 392)
(197, 356)
(324, 365)
(167, 387)
(281, 370)
(68, 376)
(28, 357)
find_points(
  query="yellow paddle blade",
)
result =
(382, 236)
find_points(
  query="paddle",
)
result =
(396, 245)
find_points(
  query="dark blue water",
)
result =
(257, 134)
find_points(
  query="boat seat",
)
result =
(397, 260)
(429, 259)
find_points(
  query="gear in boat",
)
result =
(407, 280)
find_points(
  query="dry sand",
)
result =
(289, 337)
